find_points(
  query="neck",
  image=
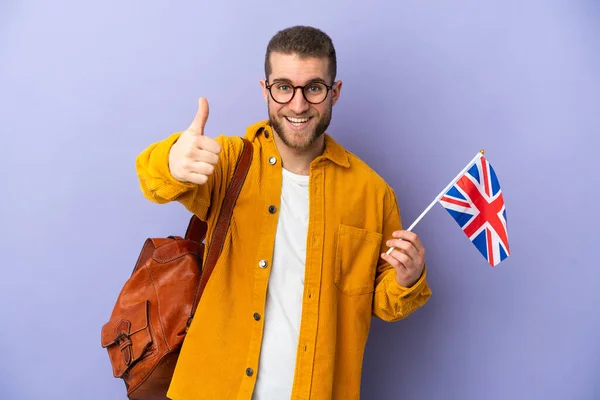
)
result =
(297, 161)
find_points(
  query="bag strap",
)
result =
(218, 240)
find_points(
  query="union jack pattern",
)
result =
(475, 202)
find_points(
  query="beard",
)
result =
(300, 140)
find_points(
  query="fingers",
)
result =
(193, 157)
(198, 179)
(199, 122)
(198, 165)
(406, 274)
(195, 154)
(397, 259)
(404, 246)
(407, 256)
(199, 168)
(409, 237)
(208, 144)
(195, 172)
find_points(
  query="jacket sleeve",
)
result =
(392, 301)
(158, 185)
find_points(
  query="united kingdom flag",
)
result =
(475, 201)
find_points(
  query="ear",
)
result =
(336, 91)
(265, 91)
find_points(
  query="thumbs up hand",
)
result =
(193, 157)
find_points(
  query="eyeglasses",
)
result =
(314, 93)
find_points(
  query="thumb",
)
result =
(199, 121)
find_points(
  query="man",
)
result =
(286, 312)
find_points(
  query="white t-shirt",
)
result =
(283, 308)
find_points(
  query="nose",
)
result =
(299, 104)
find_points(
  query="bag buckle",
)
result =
(124, 340)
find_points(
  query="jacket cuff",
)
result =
(395, 289)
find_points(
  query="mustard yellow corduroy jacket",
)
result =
(352, 212)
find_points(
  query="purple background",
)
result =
(85, 86)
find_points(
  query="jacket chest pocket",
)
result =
(356, 260)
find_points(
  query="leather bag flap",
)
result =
(127, 336)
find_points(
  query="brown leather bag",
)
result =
(157, 303)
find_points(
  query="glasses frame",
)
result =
(329, 88)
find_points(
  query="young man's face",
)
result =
(298, 123)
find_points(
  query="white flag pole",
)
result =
(443, 192)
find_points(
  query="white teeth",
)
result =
(297, 120)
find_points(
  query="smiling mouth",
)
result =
(297, 122)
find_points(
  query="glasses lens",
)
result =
(282, 92)
(315, 92)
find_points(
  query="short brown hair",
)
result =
(304, 41)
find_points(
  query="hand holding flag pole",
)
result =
(474, 199)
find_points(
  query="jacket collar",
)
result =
(333, 150)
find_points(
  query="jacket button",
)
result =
(272, 209)
(263, 263)
(249, 371)
(272, 160)
(257, 316)
(267, 134)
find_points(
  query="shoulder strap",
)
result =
(231, 196)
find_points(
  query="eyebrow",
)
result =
(313, 80)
